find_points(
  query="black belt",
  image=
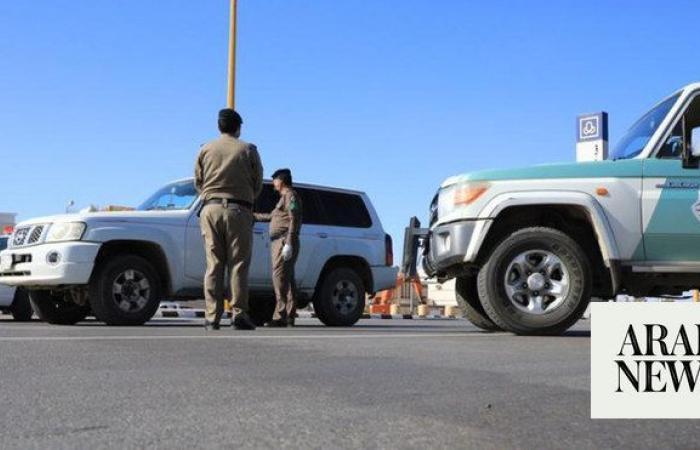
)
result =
(282, 236)
(228, 201)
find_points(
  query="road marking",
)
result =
(249, 337)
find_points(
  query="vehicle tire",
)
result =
(261, 310)
(21, 309)
(341, 298)
(319, 311)
(125, 291)
(467, 297)
(53, 308)
(537, 281)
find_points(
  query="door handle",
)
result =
(322, 235)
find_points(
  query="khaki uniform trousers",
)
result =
(228, 243)
(283, 279)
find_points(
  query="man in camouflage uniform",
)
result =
(285, 223)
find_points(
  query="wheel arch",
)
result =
(150, 251)
(576, 214)
(356, 263)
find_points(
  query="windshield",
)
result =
(175, 196)
(3, 243)
(638, 136)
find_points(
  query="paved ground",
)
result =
(381, 384)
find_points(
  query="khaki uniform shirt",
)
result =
(228, 168)
(285, 219)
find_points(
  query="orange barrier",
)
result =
(381, 303)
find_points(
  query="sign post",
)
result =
(231, 97)
(592, 137)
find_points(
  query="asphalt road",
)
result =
(380, 384)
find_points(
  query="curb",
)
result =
(171, 312)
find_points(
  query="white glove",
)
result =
(287, 252)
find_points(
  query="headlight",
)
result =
(66, 231)
(465, 194)
(459, 195)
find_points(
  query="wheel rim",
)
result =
(345, 297)
(537, 282)
(131, 290)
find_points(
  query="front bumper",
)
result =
(384, 277)
(441, 247)
(30, 266)
(448, 245)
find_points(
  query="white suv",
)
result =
(120, 265)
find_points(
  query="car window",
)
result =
(637, 137)
(3, 243)
(311, 212)
(344, 210)
(673, 147)
(267, 199)
(175, 196)
(321, 207)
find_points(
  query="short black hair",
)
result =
(229, 121)
(284, 175)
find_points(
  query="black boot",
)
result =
(211, 326)
(243, 322)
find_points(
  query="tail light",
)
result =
(389, 250)
(8, 229)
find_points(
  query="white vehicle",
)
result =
(12, 300)
(529, 247)
(120, 265)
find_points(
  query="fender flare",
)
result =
(105, 233)
(601, 226)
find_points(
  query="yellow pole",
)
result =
(696, 295)
(231, 98)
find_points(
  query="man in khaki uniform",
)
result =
(228, 177)
(285, 223)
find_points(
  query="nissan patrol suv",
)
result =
(530, 247)
(118, 266)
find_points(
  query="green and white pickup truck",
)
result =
(530, 247)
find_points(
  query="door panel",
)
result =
(316, 247)
(671, 211)
(196, 264)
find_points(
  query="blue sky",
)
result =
(104, 101)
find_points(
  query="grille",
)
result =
(19, 236)
(433, 213)
(35, 234)
(27, 235)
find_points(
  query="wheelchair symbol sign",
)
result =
(589, 128)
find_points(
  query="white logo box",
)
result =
(610, 336)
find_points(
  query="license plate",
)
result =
(5, 262)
